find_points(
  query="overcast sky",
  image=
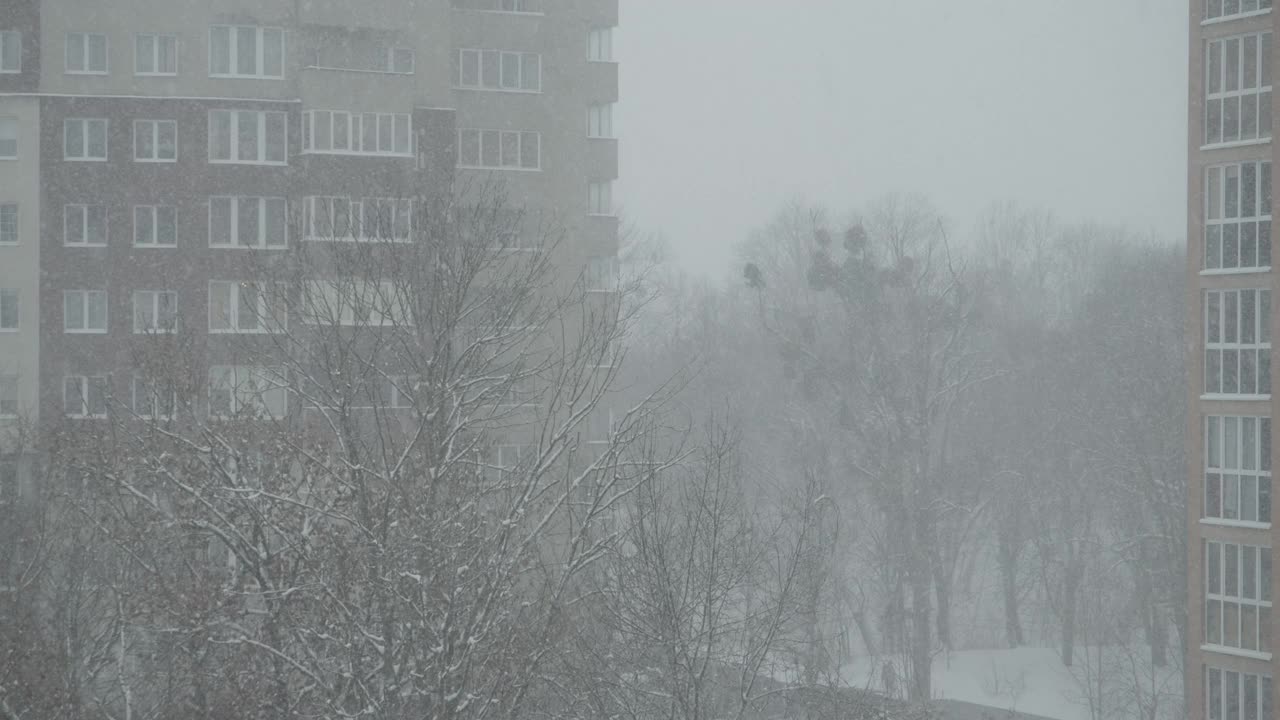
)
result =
(731, 108)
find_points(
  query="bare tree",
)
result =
(383, 480)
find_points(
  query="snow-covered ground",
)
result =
(1034, 681)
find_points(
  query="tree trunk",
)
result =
(1070, 586)
(1008, 558)
(942, 588)
(921, 632)
(1152, 621)
(868, 640)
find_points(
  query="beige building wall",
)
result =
(556, 193)
(20, 264)
(1199, 280)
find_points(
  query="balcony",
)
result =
(375, 14)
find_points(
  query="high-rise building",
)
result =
(147, 145)
(1231, 585)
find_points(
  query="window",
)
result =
(600, 198)
(503, 461)
(355, 302)
(600, 427)
(84, 139)
(84, 225)
(338, 131)
(600, 121)
(84, 311)
(1216, 9)
(236, 389)
(8, 138)
(155, 54)
(500, 70)
(155, 140)
(359, 53)
(247, 136)
(1237, 475)
(602, 274)
(87, 53)
(10, 491)
(84, 396)
(8, 223)
(1237, 596)
(1237, 342)
(244, 307)
(500, 149)
(1232, 695)
(8, 396)
(1238, 82)
(507, 6)
(600, 45)
(10, 51)
(1238, 216)
(8, 310)
(246, 51)
(248, 222)
(516, 241)
(398, 391)
(343, 218)
(155, 311)
(155, 226)
(152, 399)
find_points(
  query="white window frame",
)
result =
(600, 199)
(354, 128)
(1232, 346)
(82, 210)
(269, 316)
(9, 385)
(600, 45)
(258, 380)
(10, 38)
(1243, 9)
(1217, 54)
(260, 243)
(610, 422)
(600, 121)
(388, 67)
(150, 409)
(8, 121)
(156, 40)
(147, 312)
(354, 302)
(259, 118)
(602, 274)
(86, 384)
(484, 136)
(10, 296)
(503, 458)
(482, 56)
(1219, 676)
(85, 125)
(1237, 471)
(1217, 556)
(83, 39)
(84, 298)
(1237, 219)
(154, 212)
(314, 224)
(154, 125)
(9, 224)
(233, 35)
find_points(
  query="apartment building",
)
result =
(1230, 668)
(147, 145)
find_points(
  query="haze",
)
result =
(731, 108)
